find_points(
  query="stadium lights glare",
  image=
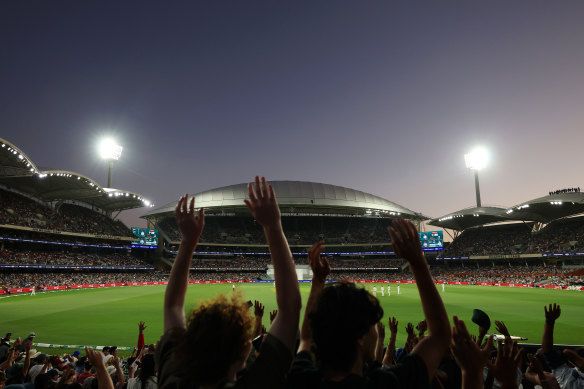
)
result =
(109, 149)
(111, 152)
(477, 159)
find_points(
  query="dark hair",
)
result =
(147, 369)
(106, 348)
(42, 381)
(342, 315)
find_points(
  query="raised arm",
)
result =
(469, 356)
(26, 359)
(258, 312)
(406, 244)
(264, 207)
(119, 372)
(191, 228)
(390, 350)
(380, 342)
(140, 345)
(103, 378)
(320, 270)
(551, 315)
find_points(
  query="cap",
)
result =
(481, 319)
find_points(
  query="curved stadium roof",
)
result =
(18, 171)
(298, 197)
(543, 209)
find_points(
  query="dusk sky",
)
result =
(383, 97)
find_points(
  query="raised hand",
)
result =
(142, 326)
(410, 330)
(393, 325)
(380, 341)
(380, 332)
(262, 203)
(190, 225)
(508, 360)
(502, 329)
(320, 265)
(273, 315)
(553, 313)
(406, 241)
(469, 356)
(258, 309)
(94, 357)
(421, 327)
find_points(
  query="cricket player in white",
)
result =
(398, 292)
(375, 290)
(382, 291)
(388, 291)
(443, 287)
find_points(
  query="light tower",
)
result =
(111, 152)
(477, 160)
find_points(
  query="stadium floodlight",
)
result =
(111, 152)
(109, 149)
(477, 160)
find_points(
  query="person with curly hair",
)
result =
(209, 348)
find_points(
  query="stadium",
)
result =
(65, 255)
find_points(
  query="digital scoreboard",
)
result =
(146, 238)
(432, 240)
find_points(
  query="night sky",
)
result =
(383, 97)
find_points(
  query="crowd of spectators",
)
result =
(531, 275)
(301, 230)
(506, 274)
(261, 263)
(15, 280)
(16, 209)
(567, 190)
(26, 257)
(562, 236)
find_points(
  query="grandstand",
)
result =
(537, 242)
(55, 224)
(56, 228)
(353, 225)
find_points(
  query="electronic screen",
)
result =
(432, 240)
(147, 238)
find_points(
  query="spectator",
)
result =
(216, 341)
(344, 331)
(86, 373)
(566, 376)
(147, 377)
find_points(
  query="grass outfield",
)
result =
(110, 316)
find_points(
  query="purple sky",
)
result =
(379, 97)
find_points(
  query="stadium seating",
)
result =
(19, 210)
(299, 230)
(561, 236)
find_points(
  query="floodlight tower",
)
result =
(476, 160)
(111, 152)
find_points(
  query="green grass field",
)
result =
(110, 316)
